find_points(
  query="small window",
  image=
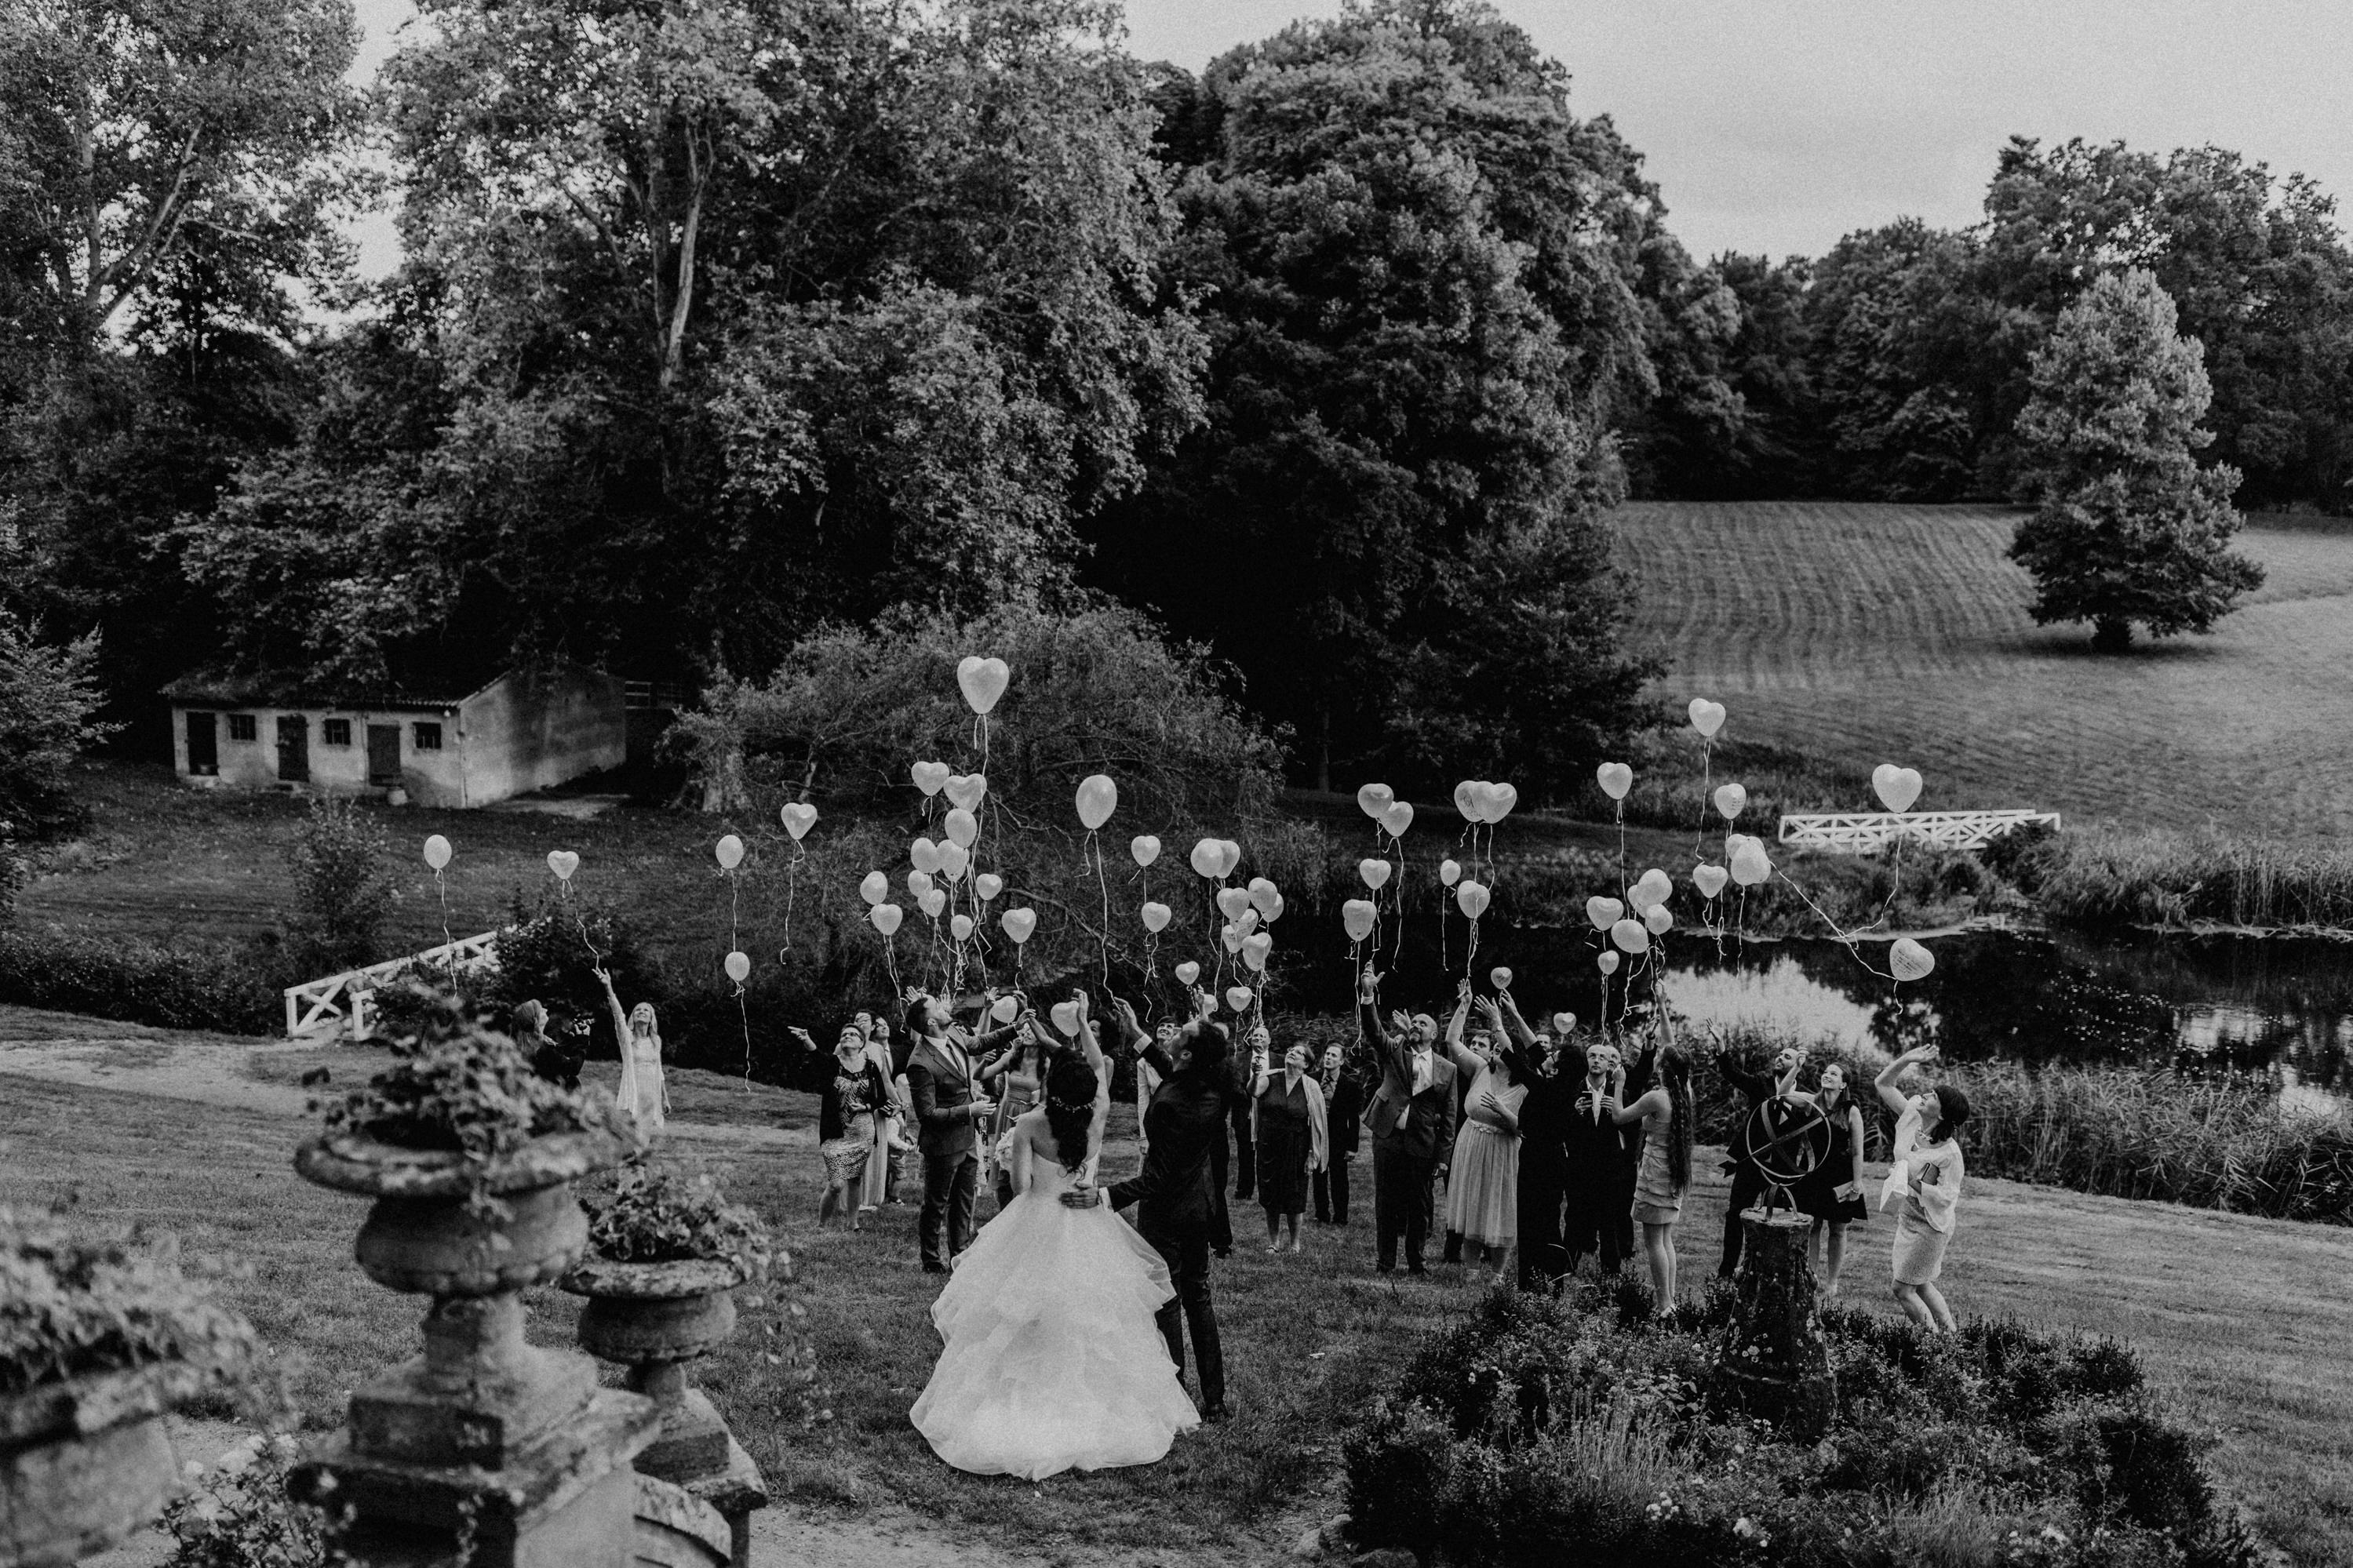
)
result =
(428, 737)
(336, 731)
(241, 726)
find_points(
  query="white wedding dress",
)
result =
(1052, 1360)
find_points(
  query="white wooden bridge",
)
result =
(1853, 830)
(339, 1002)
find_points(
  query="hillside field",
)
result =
(1869, 633)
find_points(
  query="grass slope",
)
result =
(2242, 1319)
(1881, 632)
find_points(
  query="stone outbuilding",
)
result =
(527, 729)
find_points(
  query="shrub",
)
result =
(47, 694)
(341, 889)
(656, 1214)
(14, 873)
(2152, 877)
(72, 1305)
(240, 1515)
(138, 982)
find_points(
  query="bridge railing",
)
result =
(339, 1002)
(1877, 829)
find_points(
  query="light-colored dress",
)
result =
(888, 1127)
(1052, 1360)
(1483, 1185)
(1924, 1226)
(1657, 1199)
(640, 1094)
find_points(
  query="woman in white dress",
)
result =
(643, 1093)
(1925, 1178)
(1052, 1360)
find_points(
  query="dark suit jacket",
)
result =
(1186, 1116)
(1343, 1104)
(942, 1093)
(1429, 1130)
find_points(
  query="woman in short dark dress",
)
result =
(1832, 1190)
(1289, 1128)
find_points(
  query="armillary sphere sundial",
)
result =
(1789, 1140)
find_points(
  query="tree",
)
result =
(47, 698)
(2128, 528)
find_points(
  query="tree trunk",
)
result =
(2111, 636)
(1324, 751)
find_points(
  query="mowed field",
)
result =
(1873, 633)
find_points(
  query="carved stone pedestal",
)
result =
(1774, 1362)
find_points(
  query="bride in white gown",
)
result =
(1052, 1360)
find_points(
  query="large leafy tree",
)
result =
(1422, 277)
(2128, 528)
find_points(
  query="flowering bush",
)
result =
(659, 1215)
(72, 1305)
(238, 1515)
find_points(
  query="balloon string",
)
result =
(745, 1015)
(1845, 938)
(1397, 949)
(441, 892)
(1102, 883)
(792, 871)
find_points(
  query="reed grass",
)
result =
(2156, 877)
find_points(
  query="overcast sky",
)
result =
(1779, 125)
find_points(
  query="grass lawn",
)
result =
(1867, 633)
(2244, 1320)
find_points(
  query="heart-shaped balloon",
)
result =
(929, 776)
(983, 680)
(1247, 921)
(1157, 917)
(1729, 800)
(1255, 947)
(1233, 901)
(1466, 800)
(1374, 799)
(1471, 897)
(923, 855)
(1897, 787)
(1450, 872)
(1398, 818)
(1209, 859)
(1375, 873)
(967, 790)
(1005, 1009)
(1231, 935)
(1264, 896)
(886, 918)
(436, 852)
(1604, 913)
(1274, 909)
(1653, 887)
(961, 827)
(1615, 778)
(1187, 973)
(1658, 920)
(1706, 717)
(919, 883)
(986, 886)
(730, 851)
(1066, 1017)
(935, 901)
(1751, 865)
(1144, 848)
(1501, 976)
(1356, 918)
(799, 818)
(1229, 856)
(739, 965)
(960, 926)
(875, 888)
(1018, 923)
(954, 860)
(1607, 962)
(1631, 937)
(1909, 960)
(1496, 801)
(1709, 879)
(1098, 797)
(562, 862)
(1564, 1023)
(1239, 997)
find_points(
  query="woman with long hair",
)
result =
(850, 1105)
(1287, 1123)
(1663, 1176)
(1927, 1178)
(1053, 1360)
(1017, 1077)
(1832, 1190)
(550, 1058)
(643, 1094)
(1483, 1180)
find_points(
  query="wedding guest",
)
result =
(1832, 1192)
(1544, 1153)
(1015, 1076)
(1596, 1207)
(1483, 1188)
(1147, 1084)
(1927, 1178)
(849, 1107)
(1663, 1176)
(556, 1061)
(949, 1117)
(1412, 1117)
(1770, 1095)
(1288, 1125)
(644, 1094)
(1342, 1103)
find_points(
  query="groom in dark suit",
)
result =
(1172, 1195)
(1412, 1117)
(940, 1068)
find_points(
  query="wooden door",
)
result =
(384, 756)
(204, 743)
(294, 748)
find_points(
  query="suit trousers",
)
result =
(1544, 1261)
(1221, 1223)
(951, 1182)
(1245, 1152)
(1187, 1253)
(1331, 1190)
(1747, 1187)
(1401, 1207)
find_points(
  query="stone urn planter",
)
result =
(1774, 1362)
(85, 1462)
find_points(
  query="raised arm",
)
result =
(1652, 1100)
(1508, 1012)
(1369, 1016)
(1092, 1049)
(1889, 1095)
(1461, 1017)
(620, 1014)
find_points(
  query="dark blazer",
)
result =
(832, 1115)
(942, 1091)
(1186, 1116)
(1343, 1104)
(1429, 1130)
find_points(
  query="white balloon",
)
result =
(1066, 1017)
(1658, 920)
(1209, 859)
(965, 789)
(1098, 797)
(563, 862)
(1157, 917)
(799, 818)
(1706, 717)
(1247, 921)
(1730, 799)
(1466, 800)
(1239, 997)
(1751, 865)
(1909, 960)
(960, 926)
(919, 883)
(923, 855)
(1187, 973)
(875, 888)
(1230, 854)
(961, 827)
(986, 886)
(1231, 935)
(983, 680)
(1356, 918)
(1274, 909)
(1255, 947)
(1631, 937)
(1564, 1023)
(1233, 901)
(1264, 897)
(1449, 872)
(1373, 799)
(929, 776)
(730, 851)
(1897, 787)
(1018, 923)
(1607, 962)
(1398, 818)
(436, 852)
(954, 860)
(1604, 913)
(1653, 887)
(886, 918)
(1144, 848)
(738, 966)
(1005, 1009)
(1375, 873)
(1471, 897)
(1496, 801)
(1709, 879)
(935, 901)
(1500, 977)
(1615, 778)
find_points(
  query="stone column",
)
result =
(1774, 1362)
(483, 1447)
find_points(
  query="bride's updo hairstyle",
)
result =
(1071, 1086)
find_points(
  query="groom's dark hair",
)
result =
(1211, 1045)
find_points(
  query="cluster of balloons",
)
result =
(1482, 802)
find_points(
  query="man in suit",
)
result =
(1342, 1103)
(1412, 1116)
(1174, 1202)
(940, 1067)
(1769, 1095)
